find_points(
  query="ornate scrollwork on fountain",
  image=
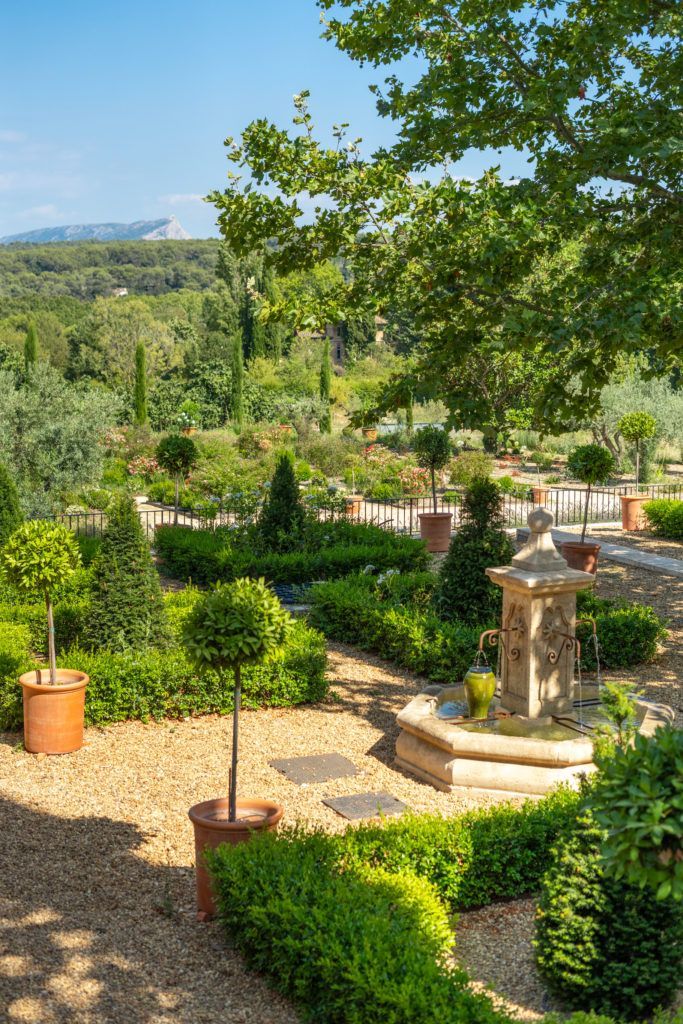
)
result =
(555, 627)
(515, 625)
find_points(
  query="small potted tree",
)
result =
(591, 464)
(234, 624)
(177, 455)
(433, 450)
(38, 559)
(543, 461)
(635, 427)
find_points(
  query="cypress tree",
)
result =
(30, 348)
(127, 609)
(11, 515)
(325, 382)
(140, 395)
(237, 389)
(282, 518)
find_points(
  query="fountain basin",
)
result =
(510, 753)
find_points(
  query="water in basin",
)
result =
(541, 730)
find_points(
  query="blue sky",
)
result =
(118, 112)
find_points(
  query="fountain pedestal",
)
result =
(538, 625)
(534, 737)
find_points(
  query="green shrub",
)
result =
(604, 945)
(639, 801)
(70, 618)
(665, 516)
(393, 619)
(470, 466)
(88, 546)
(357, 945)
(207, 556)
(628, 634)
(465, 591)
(11, 515)
(15, 641)
(127, 607)
(281, 523)
(163, 684)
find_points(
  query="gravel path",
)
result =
(97, 920)
(640, 540)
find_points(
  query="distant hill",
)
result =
(84, 270)
(140, 230)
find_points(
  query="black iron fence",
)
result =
(402, 515)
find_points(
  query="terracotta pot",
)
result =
(353, 505)
(581, 556)
(370, 433)
(211, 828)
(435, 530)
(188, 431)
(632, 515)
(541, 495)
(53, 715)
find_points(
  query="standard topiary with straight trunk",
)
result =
(177, 455)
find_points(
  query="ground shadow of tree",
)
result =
(91, 931)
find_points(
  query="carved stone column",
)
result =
(539, 623)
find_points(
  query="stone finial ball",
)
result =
(540, 520)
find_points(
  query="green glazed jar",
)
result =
(480, 686)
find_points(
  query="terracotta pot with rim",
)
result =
(582, 556)
(435, 530)
(353, 505)
(53, 715)
(370, 433)
(212, 827)
(541, 494)
(632, 515)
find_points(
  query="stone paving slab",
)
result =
(622, 554)
(366, 805)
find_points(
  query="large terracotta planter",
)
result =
(581, 556)
(353, 505)
(211, 828)
(632, 515)
(435, 530)
(370, 433)
(53, 715)
(541, 495)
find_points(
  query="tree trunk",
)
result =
(177, 499)
(585, 513)
(51, 653)
(434, 489)
(637, 465)
(235, 740)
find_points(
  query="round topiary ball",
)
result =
(603, 945)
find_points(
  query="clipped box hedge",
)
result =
(155, 684)
(206, 556)
(399, 623)
(356, 927)
(665, 516)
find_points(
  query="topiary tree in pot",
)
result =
(234, 624)
(177, 455)
(38, 559)
(635, 427)
(591, 464)
(433, 450)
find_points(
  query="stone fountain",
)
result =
(538, 730)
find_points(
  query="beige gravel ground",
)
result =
(97, 920)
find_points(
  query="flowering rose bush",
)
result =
(143, 465)
(414, 480)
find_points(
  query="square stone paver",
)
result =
(366, 805)
(314, 768)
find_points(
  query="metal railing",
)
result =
(401, 514)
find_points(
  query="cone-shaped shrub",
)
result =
(465, 591)
(127, 603)
(10, 510)
(282, 519)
